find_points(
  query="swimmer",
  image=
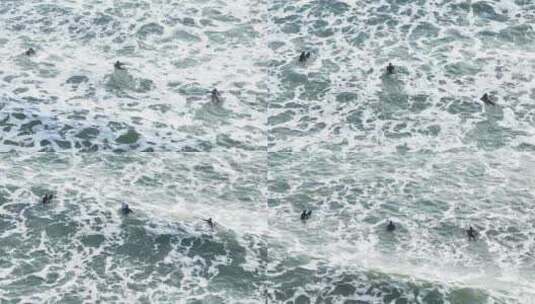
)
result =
(119, 65)
(390, 68)
(305, 215)
(210, 222)
(30, 52)
(47, 199)
(125, 209)
(390, 226)
(216, 96)
(304, 57)
(471, 234)
(486, 99)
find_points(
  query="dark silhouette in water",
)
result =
(47, 199)
(390, 226)
(125, 209)
(215, 95)
(486, 99)
(304, 56)
(119, 65)
(390, 68)
(305, 215)
(210, 222)
(30, 52)
(471, 234)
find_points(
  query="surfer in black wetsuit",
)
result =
(47, 198)
(125, 209)
(471, 234)
(390, 226)
(210, 222)
(119, 65)
(486, 100)
(390, 68)
(216, 96)
(305, 215)
(30, 52)
(304, 57)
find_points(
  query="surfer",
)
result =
(47, 198)
(305, 215)
(471, 234)
(390, 68)
(216, 96)
(486, 99)
(125, 209)
(30, 52)
(304, 56)
(390, 226)
(119, 65)
(210, 222)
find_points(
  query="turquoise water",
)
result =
(80, 249)
(336, 135)
(345, 254)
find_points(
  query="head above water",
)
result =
(390, 226)
(125, 209)
(118, 65)
(390, 68)
(304, 56)
(305, 215)
(486, 99)
(471, 233)
(30, 52)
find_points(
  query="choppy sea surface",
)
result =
(80, 249)
(447, 53)
(69, 96)
(344, 254)
(336, 135)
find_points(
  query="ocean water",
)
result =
(344, 254)
(69, 97)
(447, 53)
(336, 135)
(80, 249)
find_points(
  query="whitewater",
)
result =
(335, 134)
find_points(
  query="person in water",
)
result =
(125, 209)
(210, 222)
(304, 56)
(30, 52)
(471, 234)
(119, 65)
(216, 96)
(486, 99)
(305, 215)
(390, 68)
(47, 199)
(390, 226)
